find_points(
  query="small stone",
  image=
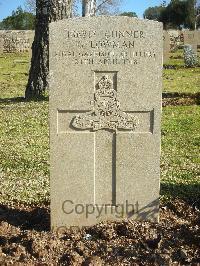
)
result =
(183, 254)
(76, 259)
(154, 243)
(88, 237)
(93, 261)
(3, 240)
(108, 233)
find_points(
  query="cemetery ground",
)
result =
(25, 235)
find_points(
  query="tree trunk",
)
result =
(46, 12)
(88, 8)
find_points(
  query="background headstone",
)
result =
(105, 109)
(1, 42)
(175, 39)
(166, 46)
(198, 38)
(16, 41)
(190, 37)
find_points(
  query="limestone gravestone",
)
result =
(166, 46)
(175, 39)
(198, 38)
(105, 109)
(190, 37)
(16, 41)
(1, 43)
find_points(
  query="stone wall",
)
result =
(16, 41)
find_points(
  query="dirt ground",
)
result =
(175, 99)
(25, 239)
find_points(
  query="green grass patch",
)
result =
(181, 79)
(24, 136)
(24, 154)
(13, 74)
(24, 139)
(180, 161)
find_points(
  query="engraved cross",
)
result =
(106, 121)
(107, 115)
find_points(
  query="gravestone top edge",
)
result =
(113, 18)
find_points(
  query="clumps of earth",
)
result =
(25, 239)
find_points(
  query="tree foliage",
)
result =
(177, 14)
(30, 6)
(153, 13)
(19, 20)
(129, 14)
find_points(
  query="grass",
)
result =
(182, 79)
(180, 160)
(24, 138)
(24, 152)
(13, 75)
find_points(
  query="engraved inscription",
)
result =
(112, 44)
(114, 47)
(82, 34)
(106, 113)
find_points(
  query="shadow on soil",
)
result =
(22, 100)
(38, 218)
(188, 193)
(168, 99)
(27, 219)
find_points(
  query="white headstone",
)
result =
(166, 46)
(105, 110)
(190, 37)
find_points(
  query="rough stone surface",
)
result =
(176, 39)
(16, 41)
(190, 37)
(105, 108)
(198, 38)
(166, 46)
(1, 43)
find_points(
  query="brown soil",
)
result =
(179, 98)
(179, 101)
(25, 239)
